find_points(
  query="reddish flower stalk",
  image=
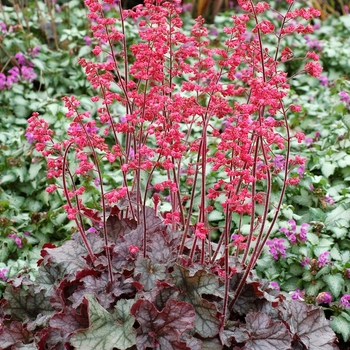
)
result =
(173, 87)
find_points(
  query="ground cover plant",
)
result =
(157, 258)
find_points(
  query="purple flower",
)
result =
(20, 58)
(17, 240)
(344, 96)
(213, 32)
(305, 261)
(292, 234)
(2, 81)
(87, 40)
(345, 300)
(323, 80)
(279, 162)
(97, 182)
(187, 7)
(3, 273)
(323, 259)
(348, 273)
(275, 285)
(91, 230)
(27, 233)
(303, 232)
(313, 44)
(328, 199)
(36, 50)
(298, 294)
(28, 73)
(324, 298)
(277, 248)
(3, 27)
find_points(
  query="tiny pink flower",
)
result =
(133, 249)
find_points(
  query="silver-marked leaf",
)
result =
(335, 283)
(25, 305)
(212, 344)
(341, 325)
(192, 287)
(163, 327)
(266, 334)
(149, 273)
(311, 326)
(106, 331)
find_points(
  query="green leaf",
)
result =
(296, 269)
(328, 169)
(339, 215)
(335, 254)
(20, 172)
(341, 325)
(34, 169)
(84, 51)
(335, 283)
(107, 331)
(339, 232)
(314, 287)
(215, 215)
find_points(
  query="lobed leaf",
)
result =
(310, 325)
(264, 334)
(192, 287)
(106, 331)
(149, 273)
(163, 327)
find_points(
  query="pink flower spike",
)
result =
(97, 50)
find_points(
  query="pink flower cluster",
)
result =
(241, 83)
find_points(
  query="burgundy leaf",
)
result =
(15, 334)
(93, 285)
(69, 321)
(266, 334)
(192, 287)
(312, 328)
(119, 227)
(163, 327)
(149, 273)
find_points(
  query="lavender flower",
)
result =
(345, 300)
(323, 259)
(324, 298)
(277, 248)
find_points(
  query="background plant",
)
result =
(215, 215)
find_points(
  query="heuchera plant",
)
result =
(146, 274)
